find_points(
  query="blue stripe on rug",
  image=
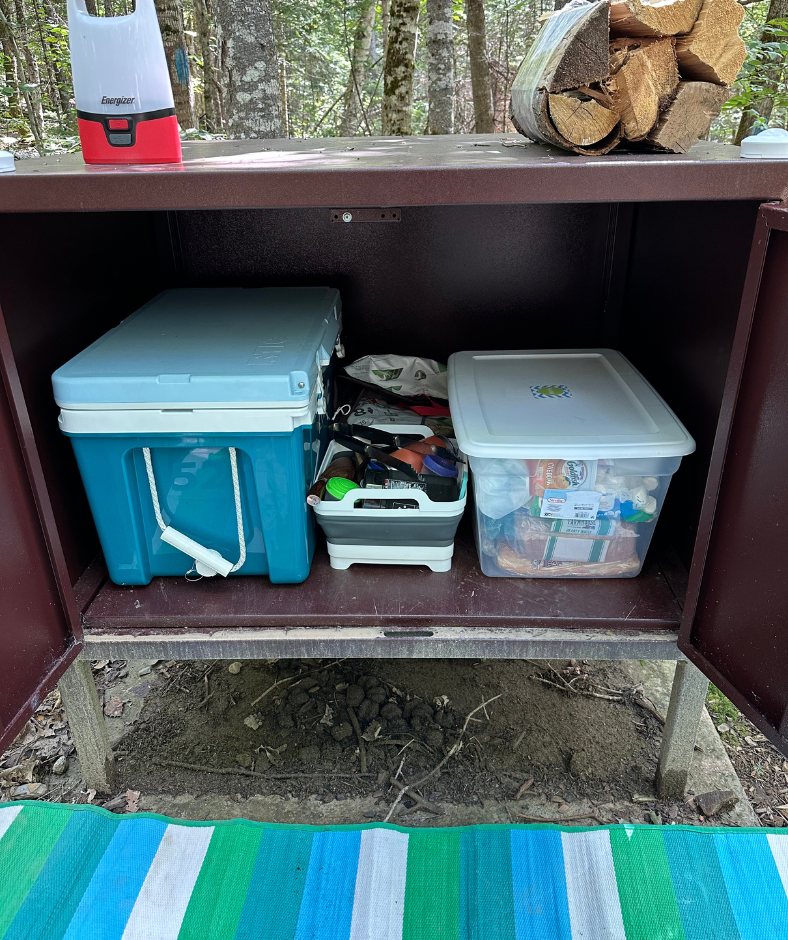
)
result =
(107, 903)
(539, 886)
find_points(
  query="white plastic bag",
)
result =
(405, 375)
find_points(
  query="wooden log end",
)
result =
(689, 116)
(668, 18)
(580, 119)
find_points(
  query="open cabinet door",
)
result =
(735, 624)
(40, 633)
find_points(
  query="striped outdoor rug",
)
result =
(81, 873)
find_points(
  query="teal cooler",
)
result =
(198, 423)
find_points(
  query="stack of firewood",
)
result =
(655, 74)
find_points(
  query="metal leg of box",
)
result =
(86, 721)
(687, 701)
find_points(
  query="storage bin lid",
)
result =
(224, 346)
(569, 403)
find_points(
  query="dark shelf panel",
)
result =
(392, 596)
(355, 172)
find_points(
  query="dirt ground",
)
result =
(577, 741)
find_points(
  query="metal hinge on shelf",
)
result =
(383, 214)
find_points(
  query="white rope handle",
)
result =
(154, 495)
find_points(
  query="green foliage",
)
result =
(762, 80)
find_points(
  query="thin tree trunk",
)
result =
(32, 75)
(440, 69)
(400, 65)
(384, 26)
(170, 16)
(61, 77)
(359, 59)
(480, 67)
(778, 10)
(10, 81)
(202, 21)
(54, 98)
(109, 7)
(250, 68)
(90, 5)
(36, 128)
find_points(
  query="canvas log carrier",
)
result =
(651, 75)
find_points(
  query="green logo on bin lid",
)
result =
(550, 391)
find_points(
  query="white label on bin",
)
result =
(570, 504)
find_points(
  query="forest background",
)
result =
(326, 68)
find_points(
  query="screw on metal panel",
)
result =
(347, 216)
(301, 384)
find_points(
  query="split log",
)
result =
(713, 51)
(669, 18)
(570, 51)
(689, 116)
(580, 118)
(643, 79)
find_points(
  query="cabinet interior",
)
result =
(649, 279)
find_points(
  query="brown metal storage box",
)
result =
(681, 262)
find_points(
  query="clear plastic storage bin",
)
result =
(571, 454)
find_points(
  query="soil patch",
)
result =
(409, 714)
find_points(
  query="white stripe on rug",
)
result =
(379, 899)
(594, 908)
(779, 847)
(161, 904)
(7, 815)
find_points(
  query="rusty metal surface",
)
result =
(439, 170)
(39, 627)
(735, 626)
(392, 596)
(436, 642)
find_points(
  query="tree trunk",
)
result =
(440, 49)
(32, 75)
(400, 65)
(359, 59)
(778, 10)
(10, 42)
(480, 67)
(90, 5)
(170, 16)
(250, 68)
(202, 20)
(61, 76)
(384, 26)
(9, 79)
(109, 7)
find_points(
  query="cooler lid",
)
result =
(570, 403)
(223, 346)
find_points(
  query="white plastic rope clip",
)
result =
(207, 561)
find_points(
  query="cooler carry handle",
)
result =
(207, 561)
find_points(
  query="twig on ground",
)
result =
(450, 753)
(418, 799)
(362, 751)
(294, 679)
(561, 819)
(645, 704)
(568, 688)
(242, 772)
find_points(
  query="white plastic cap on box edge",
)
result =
(771, 144)
(7, 163)
(568, 403)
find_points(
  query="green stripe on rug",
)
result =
(220, 892)
(432, 890)
(23, 851)
(645, 887)
(486, 892)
